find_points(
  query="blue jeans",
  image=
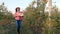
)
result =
(18, 25)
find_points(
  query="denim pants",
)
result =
(18, 25)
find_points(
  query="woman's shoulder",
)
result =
(21, 11)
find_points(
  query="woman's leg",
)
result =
(18, 25)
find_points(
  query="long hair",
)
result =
(17, 8)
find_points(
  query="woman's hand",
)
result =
(18, 14)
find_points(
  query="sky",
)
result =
(12, 4)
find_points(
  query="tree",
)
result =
(34, 16)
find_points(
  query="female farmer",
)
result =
(18, 18)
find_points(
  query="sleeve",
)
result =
(15, 15)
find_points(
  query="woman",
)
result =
(18, 18)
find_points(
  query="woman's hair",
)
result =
(17, 8)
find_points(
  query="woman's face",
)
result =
(18, 9)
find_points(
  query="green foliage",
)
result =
(34, 19)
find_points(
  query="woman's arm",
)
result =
(15, 15)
